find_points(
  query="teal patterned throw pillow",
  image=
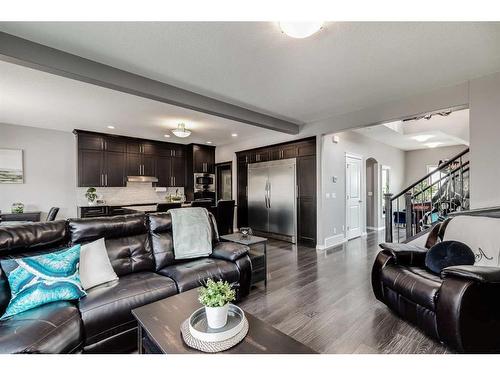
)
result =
(41, 279)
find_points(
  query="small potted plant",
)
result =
(91, 196)
(215, 296)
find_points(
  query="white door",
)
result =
(353, 196)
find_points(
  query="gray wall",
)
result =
(416, 161)
(485, 141)
(49, 170)
(333, 164)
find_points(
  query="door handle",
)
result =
(106, 177)
(102, 179)
(174, 181)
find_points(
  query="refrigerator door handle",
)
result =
(269, 195)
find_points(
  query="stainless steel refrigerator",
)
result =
(272, 198)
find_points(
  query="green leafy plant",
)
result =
(216, 293)
(91, 194)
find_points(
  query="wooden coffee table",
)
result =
(159, 330)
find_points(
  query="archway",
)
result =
(372, 194)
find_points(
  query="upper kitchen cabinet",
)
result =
(203, 158)
(101, 160)
(106, 160)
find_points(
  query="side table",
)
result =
(257, 254)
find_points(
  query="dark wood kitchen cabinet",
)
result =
(203, 159)
(171, 171)
(106, 160)
(305, 152)
(101, 161)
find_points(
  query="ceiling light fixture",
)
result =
(167, 135)
(111, 127)
(209, 142)
(433, 144)
(234, 135)
(181, 131)
(423, 137)
(300, 29)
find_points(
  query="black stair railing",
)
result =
(428, 200)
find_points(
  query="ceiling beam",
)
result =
(38, 56)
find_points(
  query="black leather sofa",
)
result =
(460, 307)
(140, 248)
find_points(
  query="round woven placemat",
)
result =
(212, 347)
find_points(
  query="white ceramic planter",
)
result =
(217, 316)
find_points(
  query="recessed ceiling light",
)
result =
(209, 142)
(300, 29)
(433, 144)
(167, 135)
(111, 127)
(234, 135)
(423, 137)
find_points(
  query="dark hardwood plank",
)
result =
(324, 300)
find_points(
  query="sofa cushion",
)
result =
(95, 267)
(126, 238)
(415, 283)
(480, 234)
(52, 328)
(446, 254)
(41, 279)
(106, 310)
(194, 273)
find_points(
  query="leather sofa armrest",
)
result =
(230, 251)
(406, 254)
(480, 274)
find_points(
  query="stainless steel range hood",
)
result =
(142, 179)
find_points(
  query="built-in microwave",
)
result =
(204, 182)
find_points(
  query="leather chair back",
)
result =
(162, 242)
(225, 216)
(126, 237)
(202, 203)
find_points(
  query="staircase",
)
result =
(429, 200)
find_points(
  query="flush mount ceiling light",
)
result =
(181, 131)
(167, 135)
(209, 142)
(433, 144)
(300, 29)
(111, 127)
(423, 137)
(234, 135)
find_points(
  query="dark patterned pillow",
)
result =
(448, 253)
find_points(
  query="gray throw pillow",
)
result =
(95, 266)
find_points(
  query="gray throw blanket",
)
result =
(191, 232)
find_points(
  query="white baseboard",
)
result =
(376, 228)
(332, 242)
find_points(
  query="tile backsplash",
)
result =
(134, 193)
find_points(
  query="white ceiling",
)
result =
(440, 131)
(33, 98)
(344, 67)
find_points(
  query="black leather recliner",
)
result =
(140, 249)
(460, 307)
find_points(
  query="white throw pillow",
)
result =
(480, 234)
(95, 267)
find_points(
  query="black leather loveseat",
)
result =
(140, 248)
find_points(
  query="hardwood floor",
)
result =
(324, 299)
